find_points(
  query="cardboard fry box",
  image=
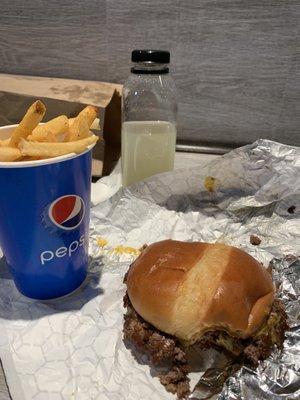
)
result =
(68, 97)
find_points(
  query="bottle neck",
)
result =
(149, 68)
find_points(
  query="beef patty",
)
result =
(166, 350)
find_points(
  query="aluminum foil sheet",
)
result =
(72, 348)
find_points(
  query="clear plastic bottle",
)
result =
(149, 117)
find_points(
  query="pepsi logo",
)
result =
(67, 212)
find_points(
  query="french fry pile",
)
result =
(59, 136)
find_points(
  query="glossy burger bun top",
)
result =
(186, 289)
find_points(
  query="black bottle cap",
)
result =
(156, 56)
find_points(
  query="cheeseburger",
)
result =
(182, 294)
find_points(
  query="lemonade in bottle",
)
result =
(149, 117)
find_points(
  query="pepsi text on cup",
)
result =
(49, 255)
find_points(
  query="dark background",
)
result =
(234, 62)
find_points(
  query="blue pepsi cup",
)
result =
(44, 222)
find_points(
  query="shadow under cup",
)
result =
(44, 222)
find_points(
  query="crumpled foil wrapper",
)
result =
(72, 348)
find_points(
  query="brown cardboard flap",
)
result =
(112, 133)
(72, 90)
